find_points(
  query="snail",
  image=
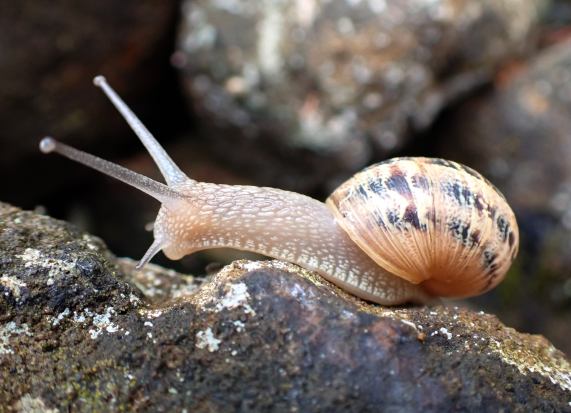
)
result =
(403, 230)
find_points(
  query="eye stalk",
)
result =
(170, 171)
(405, 230)
(157, 190)
(165, 194)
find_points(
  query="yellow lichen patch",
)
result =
(485, 333)
(536, 356)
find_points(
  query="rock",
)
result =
(157, 284)
(517, 134)
(555, 23)
(49, 267)
(48, 61)
(258, 336)
(344, 81)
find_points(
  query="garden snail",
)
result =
(403, 230)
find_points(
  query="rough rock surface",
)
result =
(347, 80)
(77, 334)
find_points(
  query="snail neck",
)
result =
(276, 223)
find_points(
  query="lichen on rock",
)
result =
(257, 336)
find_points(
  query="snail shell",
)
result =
(430, 221)
(437, 224)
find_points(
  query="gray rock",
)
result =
(344, 80)
(48, 266)
(517, 134)
(258, 336)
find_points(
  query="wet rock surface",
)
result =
(346, 80)
(80, 330)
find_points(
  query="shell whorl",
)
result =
(430, 221)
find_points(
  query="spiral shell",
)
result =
(430, 221)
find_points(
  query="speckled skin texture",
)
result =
(279, 224)
(425, 220)
(430, 221)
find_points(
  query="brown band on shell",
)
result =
(431, 221)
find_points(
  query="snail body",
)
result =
(404, 230)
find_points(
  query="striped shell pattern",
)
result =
(430, 221)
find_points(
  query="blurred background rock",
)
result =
(299, 95)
